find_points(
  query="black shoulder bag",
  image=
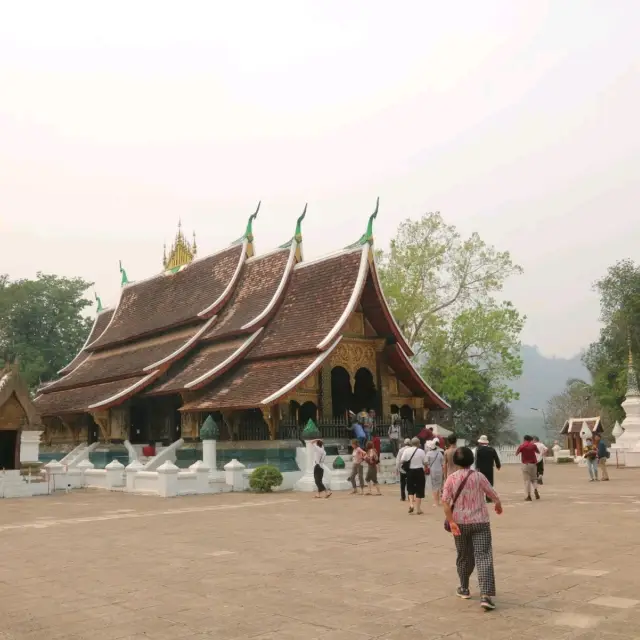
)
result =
(406, 465)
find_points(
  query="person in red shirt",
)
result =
(528, 455)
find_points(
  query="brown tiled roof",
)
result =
(99, 325)
(255, 290)
(169, 300)
(78, 400)
(123, 361)
(406, 373)
(574, 425)
(195, 365)
(250, 383)
(316, 298)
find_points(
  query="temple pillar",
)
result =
(383, 386)
(101, 418)
(272, 418)
(326, 401)
(119, 424)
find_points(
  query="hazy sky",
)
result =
(516, 119)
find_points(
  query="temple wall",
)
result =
(12, 415)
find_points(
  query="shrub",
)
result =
(563, 460)
(264, 478)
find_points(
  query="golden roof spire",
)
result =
(182, 252)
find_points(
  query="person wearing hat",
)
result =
(486, 459)
(403, 475)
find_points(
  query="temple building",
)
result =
(261, 342)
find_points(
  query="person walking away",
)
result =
(542, 452)
(357, 458)
(486, 459)
(449, 467)
(603, 456)
(413, 460)
(401, 472)
(434, 469)
(528, 453)
(319, 456)
(371, 479)
(590, 454)
(394, 436)
(467, 517)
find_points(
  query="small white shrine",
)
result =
(626, 449)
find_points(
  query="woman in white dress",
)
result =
(434, 464)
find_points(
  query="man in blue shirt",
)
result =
(603, 454)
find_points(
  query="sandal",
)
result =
(329, 494)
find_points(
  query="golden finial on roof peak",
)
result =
(182, 252)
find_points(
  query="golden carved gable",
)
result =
(354, 355)
(355, 324)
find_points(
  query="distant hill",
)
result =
(541, 379)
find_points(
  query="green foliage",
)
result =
(442, 290)
(264, 478)
(607, 359)
(41, 324)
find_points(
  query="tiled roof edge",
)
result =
(328, 256)
(278, 293)
(353, 300)
(55, 382)
(232, 283)
(232, 359)
(65, 369)
(180, 350)
(302, 376)
(136, 386)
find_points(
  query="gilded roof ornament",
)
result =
(124, 280)
(182, 252)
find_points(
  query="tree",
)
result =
(443, 292)
(607, 358)
(41, 323)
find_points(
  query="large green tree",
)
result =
(443, 290)
(41, 323)
(607, 358)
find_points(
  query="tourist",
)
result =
(449, 467)
(401, 471)
(372, 458)
(425, 435)
(528, 453)
(319, 456)
(413, 460)
(433, 468)
(542, 452)
(377, 445)
(486, 458)
(590, 454)
(467, 517)
(357, 458)
(394, 436)
(603, 456)
(359, 432)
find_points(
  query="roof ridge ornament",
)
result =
(247, 236)
(182, 252)
(297, 234)
(99, 307)
(367, 237)
(124, 280)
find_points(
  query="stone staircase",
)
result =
(13, 485)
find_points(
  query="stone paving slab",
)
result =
(92, 565)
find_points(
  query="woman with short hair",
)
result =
(467, 517)
(433, 465)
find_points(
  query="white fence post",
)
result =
(167, 479)
(115, 474)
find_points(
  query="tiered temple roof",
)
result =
(231, 330)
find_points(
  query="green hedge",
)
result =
(264, 478)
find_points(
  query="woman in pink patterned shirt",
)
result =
(465, 508)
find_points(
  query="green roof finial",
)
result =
(123, 273)
(298, 234)
(310, 432)
(99, 306)
(248, 234)
(368, 234)
(209, 430)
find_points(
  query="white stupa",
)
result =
(627, 445)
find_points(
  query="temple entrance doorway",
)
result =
(308, 411)
(341, 396)
(365, 395)
(9, 451)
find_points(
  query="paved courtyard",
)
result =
(110, 566)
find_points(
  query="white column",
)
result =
(307, 483)
(202, 474)
(115, 474)
(210, 458)
(30, 446)
(130, 471)
(167, 479)
(57, 474)
(234, 474)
